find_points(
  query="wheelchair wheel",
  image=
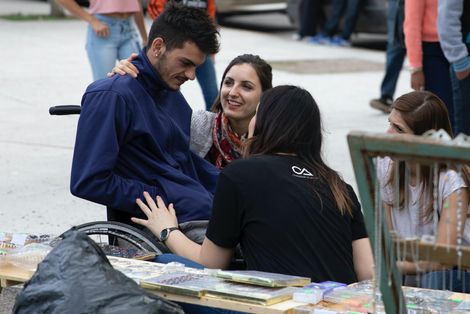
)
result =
(118, 239)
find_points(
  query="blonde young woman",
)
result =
(413, 215)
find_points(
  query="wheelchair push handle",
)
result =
(61, 110)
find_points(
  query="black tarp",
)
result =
(76, 277)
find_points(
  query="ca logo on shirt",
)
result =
(301, 172)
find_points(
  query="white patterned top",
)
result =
(407, 221)
(202, 123)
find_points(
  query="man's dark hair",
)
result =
(179, 24)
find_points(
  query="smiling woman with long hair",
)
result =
(287, 209)
(219, 135)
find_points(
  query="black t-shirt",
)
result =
(285, 219)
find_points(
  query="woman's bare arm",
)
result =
(100, 29)
(363, 259)
(160, 217)
(139, 21)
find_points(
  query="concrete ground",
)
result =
(44, 64)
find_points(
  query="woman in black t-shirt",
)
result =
(289, 211)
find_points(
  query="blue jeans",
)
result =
(447, 280)
(191, 308)
(206, 77)
(350, 17)
(311, 15)
(461, 94)
(396, 51)
(168, 258)
(436, 73)
(104, 52)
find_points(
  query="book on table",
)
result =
(250, 293)
(197, 285)
(136, 269)
(182, 283)
(261, 278)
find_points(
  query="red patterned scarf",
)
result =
(227, 145)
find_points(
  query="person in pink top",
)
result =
(111, 34)
(428, 65)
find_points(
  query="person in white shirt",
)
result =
(410, 210)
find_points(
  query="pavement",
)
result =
(44, 64)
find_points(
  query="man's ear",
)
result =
(158, 46)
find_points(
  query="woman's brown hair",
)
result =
(422, 111)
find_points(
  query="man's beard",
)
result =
(160, 66)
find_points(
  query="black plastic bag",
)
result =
(76, 277)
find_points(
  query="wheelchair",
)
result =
(119, 239)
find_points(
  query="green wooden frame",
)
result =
(363, 148)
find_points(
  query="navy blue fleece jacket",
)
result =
(133, 136)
